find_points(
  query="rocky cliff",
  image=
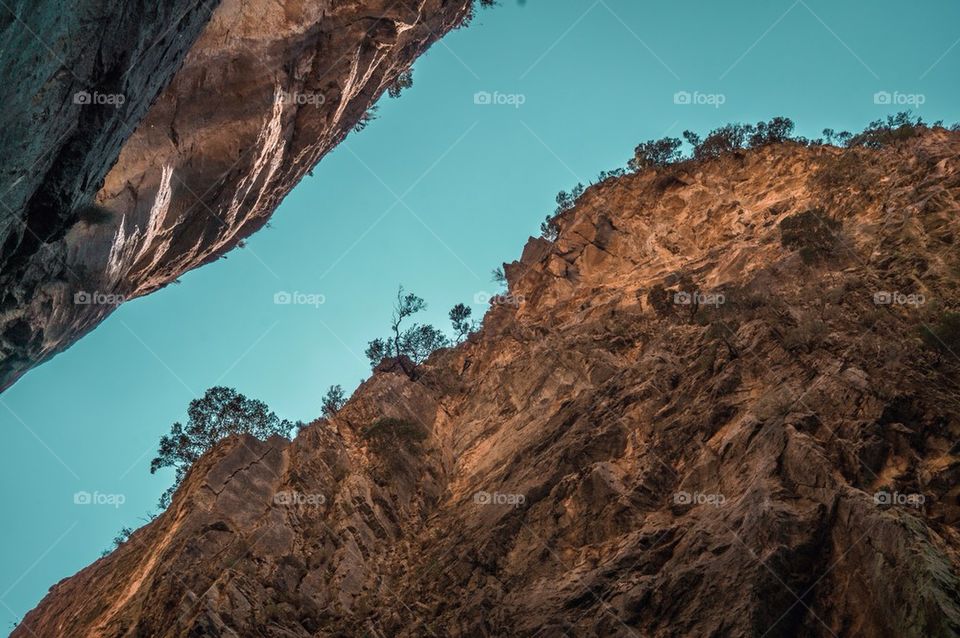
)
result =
(147, 139)
(722, 403)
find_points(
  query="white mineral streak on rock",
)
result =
(158, 217)
(348, 89)
(118, 251)
(264, 167)
(127, 251)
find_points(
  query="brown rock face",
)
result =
(266, 90)
(687, 418)
(77, 79)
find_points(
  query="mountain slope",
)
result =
(693, 415)
(130, 198)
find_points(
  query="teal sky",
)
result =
(433, 194)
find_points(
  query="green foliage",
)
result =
(735, 137)
(777, 130)
(460, 319)
(403, 81)
(611, 174)
(841, 138)
(122, 537)
(498, 277)
(895, 128)
(472, 11)
(725, 139)
(413, 344)
(655, 153)
(210, 419)
(365, 119)
(333, 400)
(565, 201)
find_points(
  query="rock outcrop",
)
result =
(118, 187)
(707, 409)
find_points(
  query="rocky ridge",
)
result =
(692, 415)
(223, 108)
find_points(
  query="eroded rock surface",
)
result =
(130, 198)
(686, 419)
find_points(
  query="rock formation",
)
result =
(722, 403)
(155, 137)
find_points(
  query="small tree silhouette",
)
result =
(333, 400)
(460, 319)
(565, 201)
(408, 346)
(218, 414)
(655, 153)
(403, 81)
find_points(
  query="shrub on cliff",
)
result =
(368, 116)
(565, 201)
(333, 400)
(837, 138)
(655, 153)
(895, 128)
(403, 81)
(122, 537)
(471, 11)
(498, 277)
(725, 139)
(735, 137)
(409, 346)
(210, 419)
(460, 319)
(777, 130)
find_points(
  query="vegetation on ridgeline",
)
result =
(220, 413)
(333, 400)
(409, 344)
(732, 138)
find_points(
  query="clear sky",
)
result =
(433, 194)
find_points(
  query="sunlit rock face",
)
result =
(696, 413)
(78, 78)
(254, 93)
